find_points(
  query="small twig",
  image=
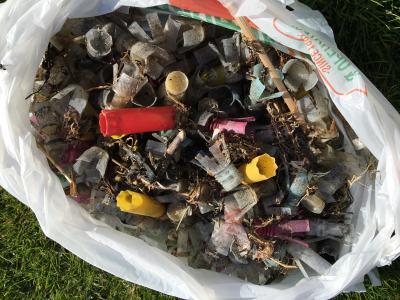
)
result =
(195, 193)
(356, 178)
(248, 33)
(267, 243)
(309, 191)
(178, 103)
(137, 157)
(55, 164)
(100, 87)
(119, 164)
(41, 87)
(255, 238)
(282, 264)
(183, 216)
(73, 188)
(265, 223)
(71, 180)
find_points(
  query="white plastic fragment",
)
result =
(91, 165)
(155, 27)
(257, 88)
(171, 31)
(98, 42)
(309, 257)
(115, 73)
(128, 86)
(204, 118)
(129, 83)
(138, 32)
(299, 73)
(79, 99)
(313, 112)
(229, 177)
(106, 97)
(358, 144)
(324, 228)
(332, 181)
(194, 36)
(111, 29)
(313, 203)
(258, 70)
(182, 243)
(225, 234)
(177, 211)
(238, 204)
(176, 143)
(301, 267)
(52, 111)
(141, 51)
(231, 48)
(238, 252)
(230, 58)
(272, 96)
(204, 207)
(146, 97)
(220, 165)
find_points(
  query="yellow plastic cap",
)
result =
(139, 204)
(176, 83)
(259, 169)
(117, 137)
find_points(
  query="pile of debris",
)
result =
(200, 141)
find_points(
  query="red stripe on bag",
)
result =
(208, 7)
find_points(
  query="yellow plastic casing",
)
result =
(259, 169)
(140, 204)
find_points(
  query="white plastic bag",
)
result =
(26, 27)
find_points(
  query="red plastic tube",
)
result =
(136, 120)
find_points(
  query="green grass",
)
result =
(368, 32)
(34, 267)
